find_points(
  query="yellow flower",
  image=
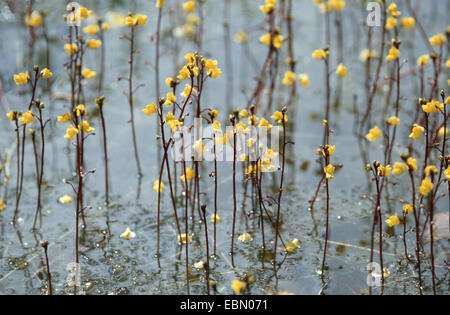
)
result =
(241, 128)
(289, 78)
(159, 3)
(170, 99)
(399, 168)
(394, 54)
(278, 116)
(199, 147)
(64, 118)
(93, 43)
(191, 59)
(2, 205)
(128, 234)
(238, 286)
(392, 10)
(81, 110)
(430, 169)
(188, 90)
(211, 69)
(190, 174)
(393, 121)
(34, 20)
(408, 209)
(46, 73)
(183, 239)
(240, 37)
(88, 74)
(21, 78)
(426, 186)
(189, 6)
(438, 39)
(276, 40)
(91, 29)
(270, 154)
(336, 5)
(341, 71)
(263, 123)
(303, 79)
(215, 218)
(423, 60)
(12, 115)
(393, 220)
(65, 199)
(150, 109)
(130, 21)
(26, 118)
(320, 54)
(174, 124)
(105, 26)
(71, 48)
(170, 82)
(184, 73)
(269, 7)
(140, 19)
(85, 13)
(169, 116)
(408, 22)
(329, 150)
(384, 171)
(71, 132)
(216, 127)
(84, 126)
(411, 163)
(447, 173)
(245, 238)
(433, 107)
(416, 132)
(367, 54)
(391, 23)
(157, 187)
(441, 132)
(329, 171)
(243, 113)
(374, 134)
(214, 113)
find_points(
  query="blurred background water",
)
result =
(121, 267)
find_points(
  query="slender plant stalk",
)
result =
(280, 193)
(49, 275)
(234, 193)
(100, 102)
(24, 128)
(130, 100)
(215, 193)
(205, 224)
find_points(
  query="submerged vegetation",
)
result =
(215, 175)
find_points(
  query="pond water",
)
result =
(120, 266)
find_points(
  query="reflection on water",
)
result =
(110, 264)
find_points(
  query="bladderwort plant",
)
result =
(133, 23)
(100, 102)
(40, 170)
